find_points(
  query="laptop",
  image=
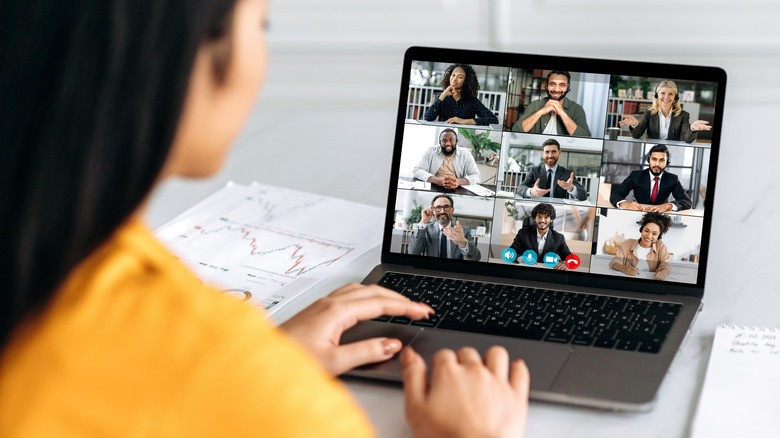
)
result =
(577, 199)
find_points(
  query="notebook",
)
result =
(585, 265)
(741, 392)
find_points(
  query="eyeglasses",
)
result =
(442, 208)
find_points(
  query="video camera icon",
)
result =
(551, 259)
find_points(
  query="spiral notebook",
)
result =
(741, 392)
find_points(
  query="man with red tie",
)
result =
(652, 186)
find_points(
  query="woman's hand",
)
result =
(701, 125)
(628, 121)
(468, 396)
(319, 327)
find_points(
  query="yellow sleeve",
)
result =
(257, 382)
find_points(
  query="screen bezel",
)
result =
(589, 65)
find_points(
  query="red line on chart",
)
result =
(295, 256)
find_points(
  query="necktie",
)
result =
(655, 190)
(443, 245)
(549, 182)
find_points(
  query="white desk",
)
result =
(740, 285)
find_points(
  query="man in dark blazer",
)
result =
(652, 186)
(454, 239)
(542, 234)
(561, 185)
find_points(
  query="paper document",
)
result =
(413, 185)
(479, 190)
(269, 244)
(741, 392)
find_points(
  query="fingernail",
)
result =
(391, 346)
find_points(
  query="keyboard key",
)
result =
(401, 320)
(626, 345)
(541, 314)
(604, 343)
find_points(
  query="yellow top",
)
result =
(134, 345)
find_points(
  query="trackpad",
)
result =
(544, 359)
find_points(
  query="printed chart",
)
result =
(269, 244)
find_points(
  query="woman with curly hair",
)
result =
(666, 119)
(647, 253)
(458, 103)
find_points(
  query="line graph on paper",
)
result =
(257, 241)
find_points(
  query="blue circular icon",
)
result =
(551, 259)
(508, 255)
(529, 257)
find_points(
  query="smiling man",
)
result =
(446, 165)
(652, 187)
(442, 238)
(550, 179)
(541, 238)
(567, 116)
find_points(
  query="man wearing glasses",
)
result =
(441, 238)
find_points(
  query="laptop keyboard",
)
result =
(538, 314)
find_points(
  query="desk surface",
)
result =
(321, 168)
(659, 141)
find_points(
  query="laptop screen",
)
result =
(572, 168)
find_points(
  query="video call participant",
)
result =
(666, 119)
(647, 253)
(542, 238)
(652, 186)
(569, 118)
(458, 102)
(446, 165)
(442, 238)
(550, 179)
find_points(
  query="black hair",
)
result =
(470, 85)
(91, 96)
(560, 72)
(448, 130)
(663, 221)
(545, 209)
(659, 148)
(553, 141)
(452, 203)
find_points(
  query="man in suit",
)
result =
(554, 114)
(541, 238)
(550, 179)
(441, 238)
(652, 186)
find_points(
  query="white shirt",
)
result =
(652, 184)
(552, 126)
(439, 228)
(553, 183)
(542, 240)
(641, 254)
(663, 124)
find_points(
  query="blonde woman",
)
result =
(666, 119)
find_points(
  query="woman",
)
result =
(104, 333)
(666, 119)
(458, 102)
(647, 253)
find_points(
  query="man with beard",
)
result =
(652, 186)
(568, 116)
(541, 238)
(550, 179)
(446, 165)
(442, 238)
